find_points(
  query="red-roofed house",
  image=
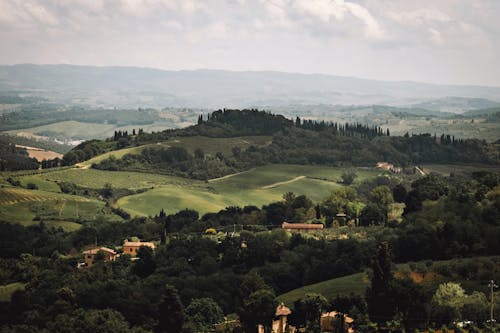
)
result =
(131, 248)
(301, 227)
(90, 254)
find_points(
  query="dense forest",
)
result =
(203, 269)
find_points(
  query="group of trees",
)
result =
(13, 158)
(346, 129)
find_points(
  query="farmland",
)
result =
(31, 206)
(257, 187)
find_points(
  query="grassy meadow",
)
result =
(343, 286)
(257, 187)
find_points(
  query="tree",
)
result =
(204, 313)
(199, 154)
(80, 320)
(380, 306)
(449, 294)
(307, 312)
(171, 312)
(399, 193)
(258, 308)
(382, 196)
(146, 264)
(372, 214)
(348, 177)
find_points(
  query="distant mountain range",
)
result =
(146, 87)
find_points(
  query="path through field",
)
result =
(229, 176)
(282, 183)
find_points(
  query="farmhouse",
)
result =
(388, 167)
(107, 253)
(301, 227)
(336, 322)
(131, 248)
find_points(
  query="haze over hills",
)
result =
(147, 87)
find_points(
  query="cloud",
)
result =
(329, 11)
(383, 39)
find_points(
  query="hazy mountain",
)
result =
(146, 87)
(457, 104)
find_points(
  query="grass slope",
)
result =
(208, 145)
(356, 283)
(258, 186)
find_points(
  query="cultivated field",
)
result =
(30, 206)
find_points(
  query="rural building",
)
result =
(107, 253)
(280, 324)
(301, 227)
(388, 167)
(131, 248)
(336, 322)
(341, 219)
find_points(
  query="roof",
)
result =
(282, 310)
(287, 225)
(333, 314)
(99, 249)
(139, 244)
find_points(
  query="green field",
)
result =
(356, 284)
(68, 130)
(92, 178)
(446, 169)
(57, 209)
(257, 187)
(7, 290)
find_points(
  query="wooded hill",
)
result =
(293, 142)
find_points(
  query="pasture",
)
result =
(342, 286)
(257, 187)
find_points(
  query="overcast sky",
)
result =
(439, 41)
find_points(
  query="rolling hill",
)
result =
(144, 87)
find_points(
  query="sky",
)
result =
(435, 41)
